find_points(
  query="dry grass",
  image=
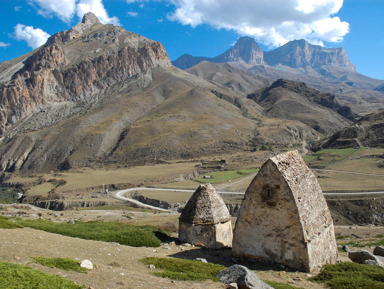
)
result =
(40, 190)
(341, 181)
(93, 179)
(167, 196)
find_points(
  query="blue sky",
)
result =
(208, 28)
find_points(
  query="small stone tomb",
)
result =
(205, 220)
(284, 217)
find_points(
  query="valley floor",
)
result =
(118, 266)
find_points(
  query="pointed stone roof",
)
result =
(205, 207)
(306, 192)
(284, 217)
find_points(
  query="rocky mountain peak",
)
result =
(90, 19)
(300, 54)
(245, 50)
(76, 64)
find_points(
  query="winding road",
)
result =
(121, 195)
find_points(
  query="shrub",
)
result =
(66, 264)
(136, 236)
(24, 277)
(349, 275)
(6, 224)
(181, 269)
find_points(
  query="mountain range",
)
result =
(100, 95)
(324, 69)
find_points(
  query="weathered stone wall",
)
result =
(269, 226)
(205, 220)
(284, 217)
(213, 236)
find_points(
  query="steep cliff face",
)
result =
(300, 53)
(246, 53)
(246, 50)
(77, 64)
(295, 54)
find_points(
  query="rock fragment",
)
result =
(242, 277)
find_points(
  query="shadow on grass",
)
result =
(224, 257)
(163, 237)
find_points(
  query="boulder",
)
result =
(243, 277)
(86, 264)
(379, 251)
(346, 248)
(365, 257)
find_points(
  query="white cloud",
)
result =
(34, 37)
(271, 22)
(2, 44)
(133, 14)
(96, 7)
(64, 9)
(67, 9)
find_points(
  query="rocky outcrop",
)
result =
(299, 53)
(57, 205)
(89, 19)
(66, 70)
(367, 131)
(288, 99)
(205, 220)
(246, 51)
(326, 100)
(284, 217)
(295, 54)
(152, 202)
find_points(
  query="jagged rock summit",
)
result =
(284, 217)
(77, 64)
(246, 53)
(89, 19)
(205, 220)
(300, 53)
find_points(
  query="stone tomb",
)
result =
(284, 217)
(205, 220)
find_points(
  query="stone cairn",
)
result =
(284, 217)
(205, 220)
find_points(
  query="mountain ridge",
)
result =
(295, 54)
(62, 69)
(98, 95)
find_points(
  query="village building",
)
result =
(284, 217)
(205, 220)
